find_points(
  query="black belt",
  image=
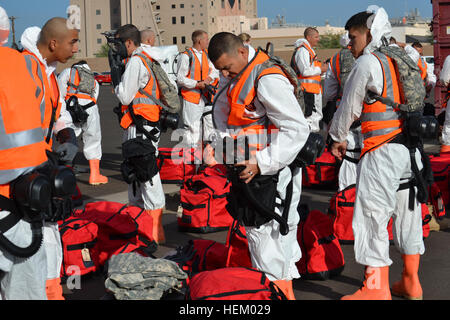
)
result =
(11, 219)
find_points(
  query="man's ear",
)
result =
(369, 36)
(52, 45)
(243, 51)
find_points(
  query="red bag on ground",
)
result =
(323, 172)
(176, 164)
(322, 256)
(441, 169)
(200, 255)
(204, 199)
(233, 284)
(437, 201)
(238, 254)
(78, 237)
(118, 229)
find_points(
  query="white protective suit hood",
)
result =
(4, 27)
(345, 40)
(379, 26)
(29, 40)
(300, 41)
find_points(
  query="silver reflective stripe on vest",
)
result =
(390, 113)
(17, 140)
(309, 81)
(38, 90)
(249, 84)
(150, 100)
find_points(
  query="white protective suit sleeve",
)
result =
(135, 77)
(303, 61)
(282, 109)
(444, 76)
(358, 83)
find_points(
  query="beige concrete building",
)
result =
(172, 20)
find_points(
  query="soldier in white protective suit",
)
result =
(258, 98)
(69, 80)
(384, 165)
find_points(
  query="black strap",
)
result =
(11, 219)
(138, 122)
(350, 159)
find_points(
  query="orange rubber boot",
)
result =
(53, 289)
(375, 285)
(445, 148)
(409, 286)
(96, 178)
(158, 230)
(286, 287)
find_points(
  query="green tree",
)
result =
(103, 52)
(330, 41)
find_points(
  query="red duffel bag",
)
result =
(121, 229)
(323, 172)
(204, 199)
(176, 164)
(233, 284)
(440, 165)
(238, 254)
(78, 237)
(322, 256)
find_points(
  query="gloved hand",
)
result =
(67, 152)
(68, 148)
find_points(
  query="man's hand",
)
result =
(338, 149)
(67, 152)
(200, 85)
(250, 171)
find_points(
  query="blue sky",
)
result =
(36, 12)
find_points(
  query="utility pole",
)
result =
(14, 44)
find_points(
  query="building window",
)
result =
(212, 20)
(183, 40)
(212, 3)
(174, 6)
(174, 20)
(174, 40)
(223, 4)
(239, 3)
(115, 10)
(99, 40)
(99, 26)
(158, 7)
(182, 6)
(182, 19)
(98, 12)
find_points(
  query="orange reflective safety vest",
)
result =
(49, 96)
(380, 123)
(143, 103)
(22, 145)
(310, 84)
(241, 98)
(72, 87)
(197, 71)
(423, 68)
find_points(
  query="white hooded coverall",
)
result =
(271, 252)
(444, 78)
(347, 170)
(91, 129)
(381, 171)
(196, 128)
(303, 61)
(149, 195)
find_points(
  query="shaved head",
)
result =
(55, 28)
(56, 41)
(148, 37)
